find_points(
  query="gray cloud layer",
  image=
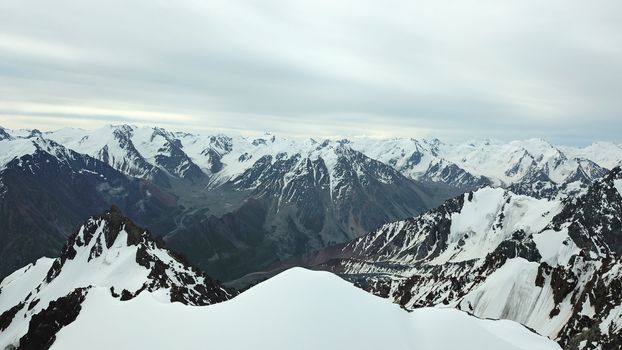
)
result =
(450, 69)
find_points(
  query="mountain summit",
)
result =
(108, 253)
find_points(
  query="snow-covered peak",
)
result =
(330, 165)
(593, 219)
(112, 244)
(111, 144)
(298, 309)
(12, 149)
(109, 253)
(4, 135)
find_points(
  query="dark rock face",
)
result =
(453, 175)
(44, 325)
(433, 226)
(7, 317)
(415, 158)
(214, 160)
(563, 282)
(519, 246)
(595, 219)
(376, 287)
(604, 292)
(173, 159)
(536, 183)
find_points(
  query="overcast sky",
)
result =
(452, 69)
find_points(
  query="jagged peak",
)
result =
(112, 241)
(122, 133)
(123, 127)
(108, 254)
(168, 136)
(4, 134)
(34, 133)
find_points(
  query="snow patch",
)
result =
(617, 183)
(555, 247)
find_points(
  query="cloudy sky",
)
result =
(453, 69)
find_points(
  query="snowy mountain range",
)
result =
(235, 204)
(113, 276)
(148, 152)
(552, 265)
(524, 231)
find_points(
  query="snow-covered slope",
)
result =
(298, 309)
(551, 265)
(107, 253)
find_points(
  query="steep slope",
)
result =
(550, 265)
(108, 254)
(46, 190)
(286, 312)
